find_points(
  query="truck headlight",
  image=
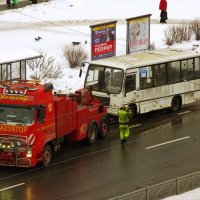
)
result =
(12, 144)
(18, 143)
(29, 153)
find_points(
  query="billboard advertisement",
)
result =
(138, 33)
(103, 41)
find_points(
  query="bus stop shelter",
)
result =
(13, 63)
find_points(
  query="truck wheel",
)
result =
(176, 104)
(103, 127)
(92, 134)
(47, 155)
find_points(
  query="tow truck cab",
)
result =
(33, 121)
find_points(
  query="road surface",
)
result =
(162, 146)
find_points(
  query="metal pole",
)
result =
(177, 186)
(192, 182)
(147, 193)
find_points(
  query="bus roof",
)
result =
(17, 55)
(140, 59)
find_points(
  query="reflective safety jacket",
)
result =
(124, 115)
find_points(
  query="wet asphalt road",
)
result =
(162, 146)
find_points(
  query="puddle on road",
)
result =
(179, 119)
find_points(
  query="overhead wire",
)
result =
(58, 25)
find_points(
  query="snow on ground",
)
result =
(93, 9)
(192, 195)
(56, 22)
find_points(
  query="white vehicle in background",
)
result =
(146, 81)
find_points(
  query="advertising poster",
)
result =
(138, 33)
(103, 40)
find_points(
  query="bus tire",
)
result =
(176, 104)
(133, 109)
(103, 127)
(92, 133)
(47, 155)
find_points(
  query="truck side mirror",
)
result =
(41, 113)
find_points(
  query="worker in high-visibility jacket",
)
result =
(124, 115)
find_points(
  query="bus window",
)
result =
(130, 83)
(187, 68)
(104, 79)
(146, 77)
(159, 74)
(173, 72)
(197, 68)
(115, 82)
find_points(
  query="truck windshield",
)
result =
(17, 115)
(104, 79)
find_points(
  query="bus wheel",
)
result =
(133, 112)
(176, 104)
(92, 133)
(47, 155)
(103, 127)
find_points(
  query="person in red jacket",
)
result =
(163, 13)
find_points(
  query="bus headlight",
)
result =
(1, 144)
(29, 153)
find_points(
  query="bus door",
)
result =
(131, 86)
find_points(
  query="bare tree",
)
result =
(44, 67)
(196, 28)
(178, 33)
(75, 55)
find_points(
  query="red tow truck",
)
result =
(34, 121)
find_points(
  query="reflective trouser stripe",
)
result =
(124, 131)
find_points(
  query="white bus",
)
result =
(146, 81)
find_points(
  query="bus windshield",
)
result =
(104, 79)
(17, 115)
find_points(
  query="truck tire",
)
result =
(92, 133)
(103, 127)
(176, 104)
(47, 155)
